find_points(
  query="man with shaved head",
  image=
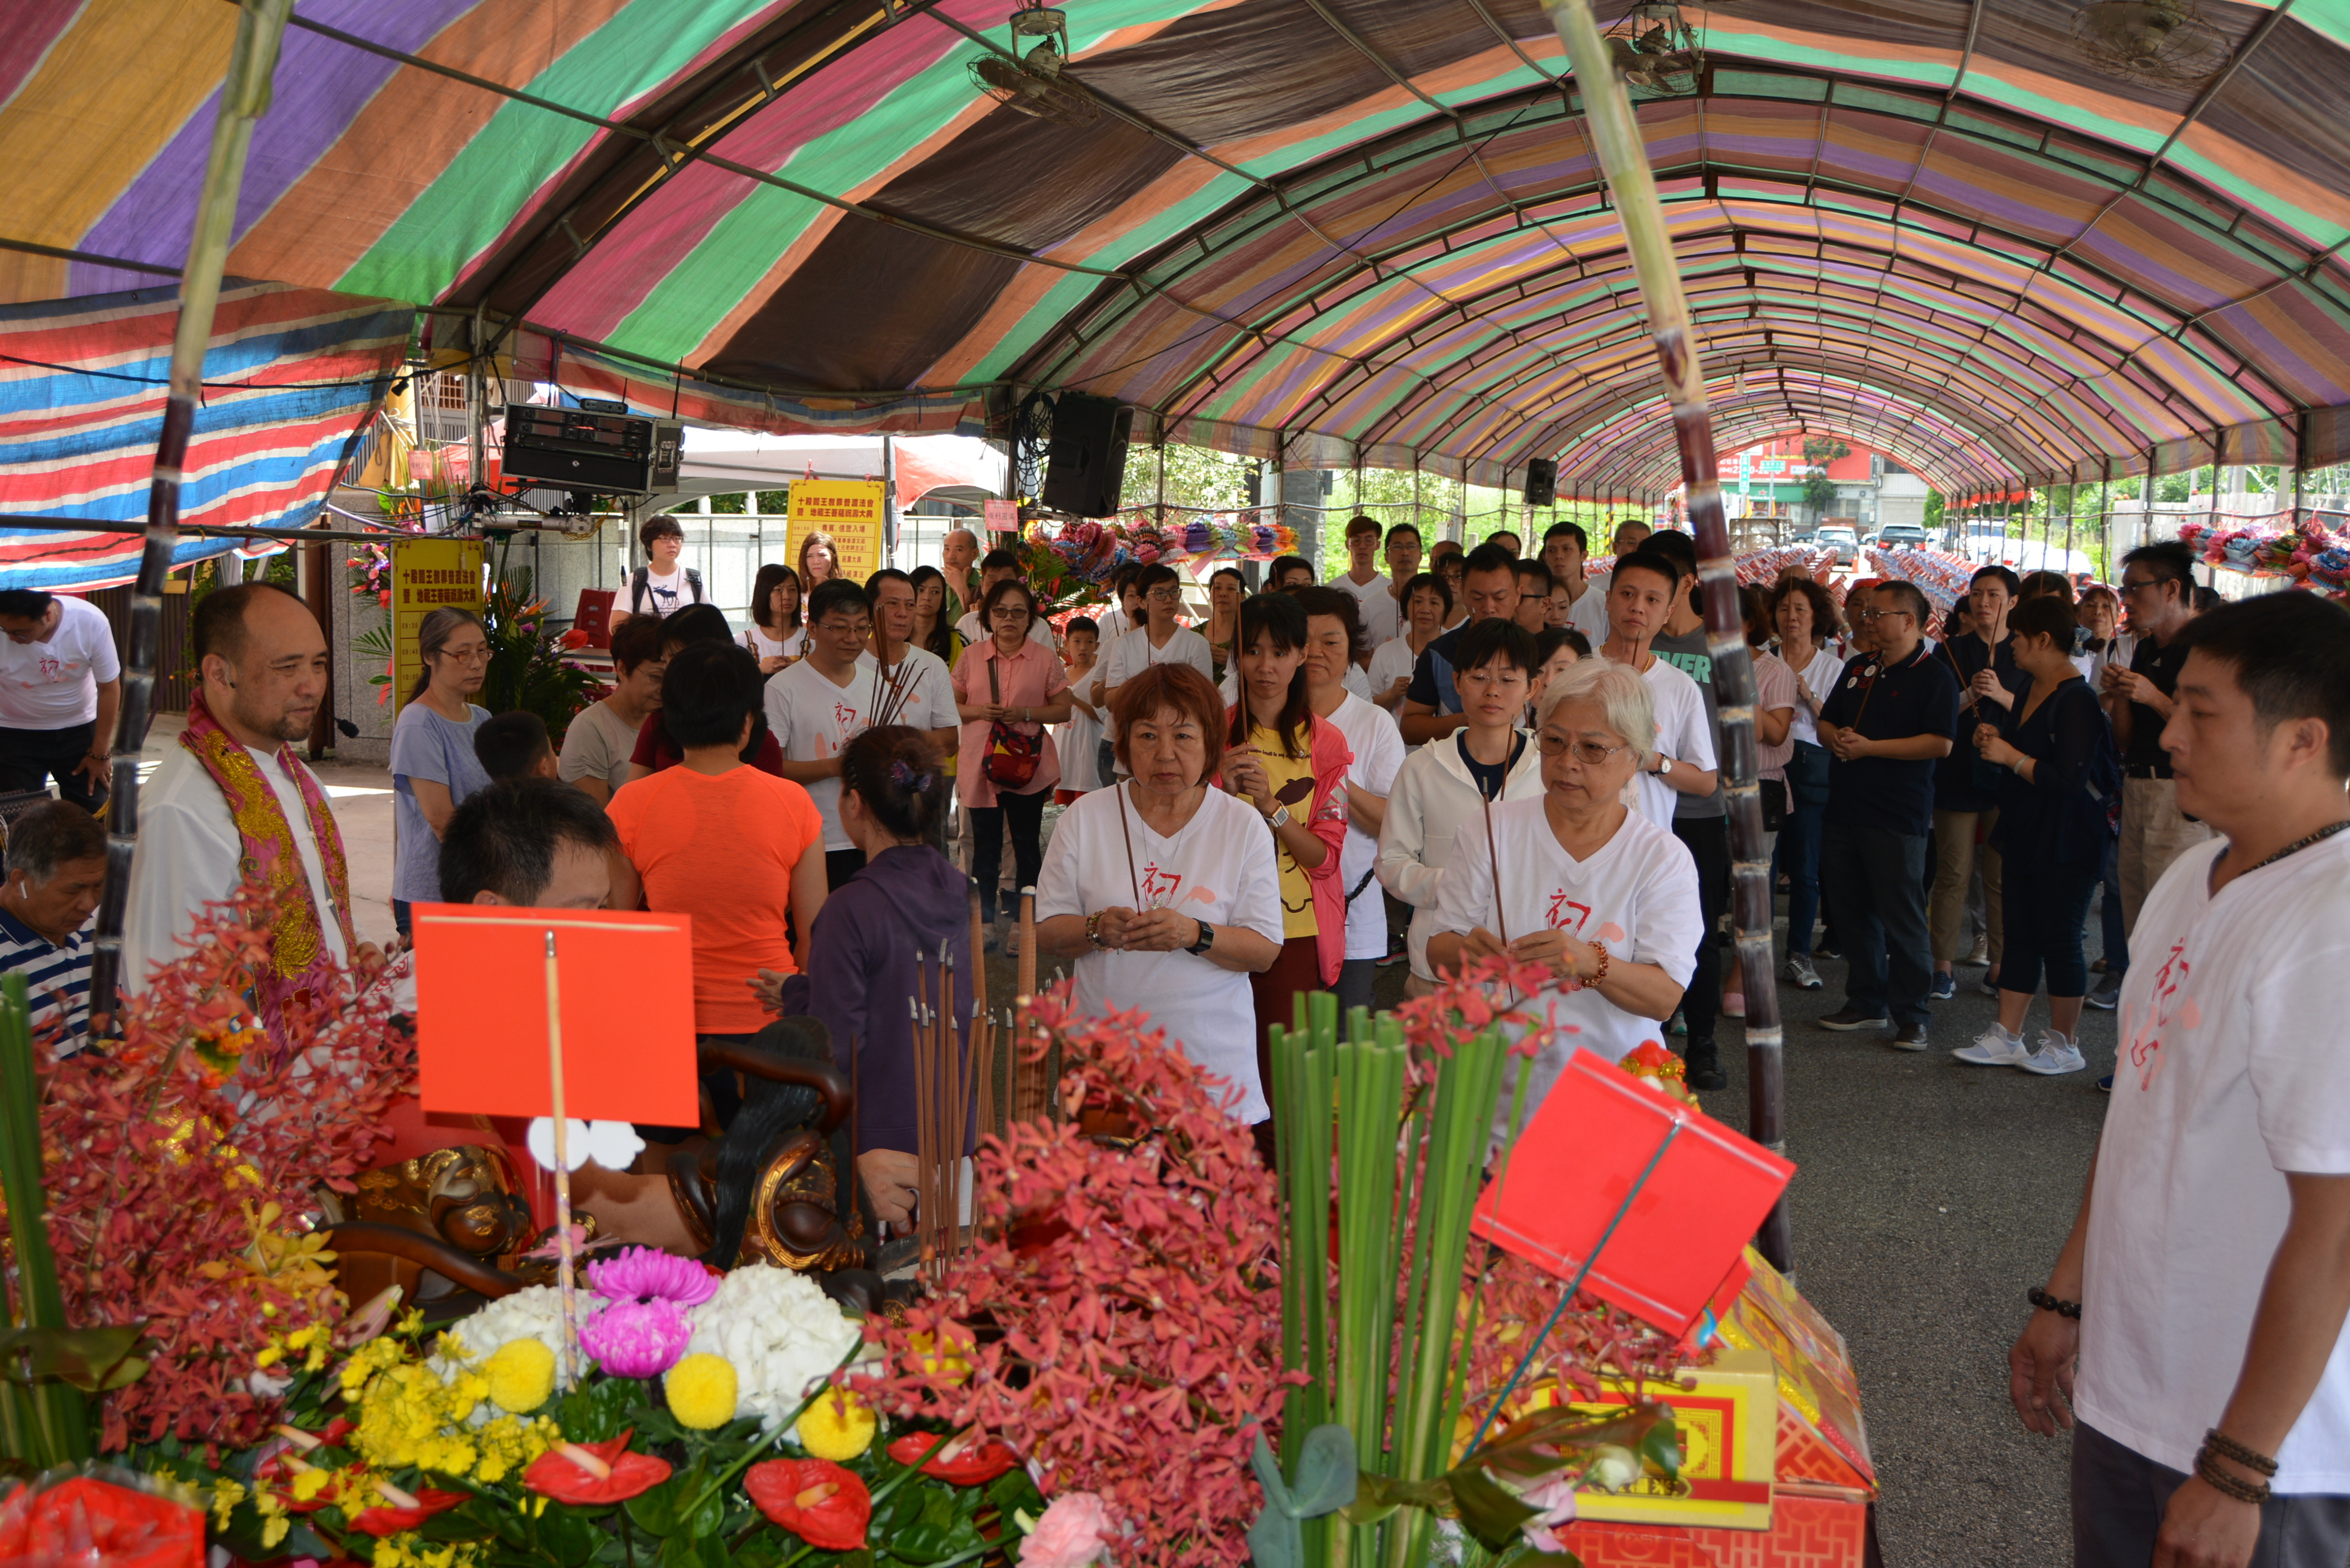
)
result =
(231, 801)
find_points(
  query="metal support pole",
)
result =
(890, 519)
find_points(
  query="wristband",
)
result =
(2047, 1302)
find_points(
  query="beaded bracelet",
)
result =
(2226, 1485)
(2227, 1447)
(2047, 1302)
(1597, 978)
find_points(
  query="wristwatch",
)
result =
(1664, 765)
(1207, 939)
(1280, 817)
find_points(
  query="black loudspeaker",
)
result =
(578, 449)
(1541, 481)
(1085, 464)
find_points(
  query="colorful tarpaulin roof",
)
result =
(289, 375)
(1347, 231)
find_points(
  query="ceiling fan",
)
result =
(2150, 40)
(1034, 84)
(1655, 48)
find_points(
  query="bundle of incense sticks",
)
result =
(1031, 1081)
(891, 691)
(942, 1109)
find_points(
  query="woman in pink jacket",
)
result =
(1292, 766)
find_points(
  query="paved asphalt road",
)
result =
(1930, 1197)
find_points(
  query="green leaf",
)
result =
(92, 1359)
(1268, 1476)
(1276, 1540)
(1488, 1510)
(655, 1511)
(709, 1517)
(1013, 1492)
(1325, 1473)
(1661, 1448)
(1525, 1556)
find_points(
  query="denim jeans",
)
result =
(1799, 855)
(1876, 878)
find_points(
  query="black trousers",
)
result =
(1874, 879)
(1708, 838)
(2119, 1496)
(30, 758)
(1026, 816)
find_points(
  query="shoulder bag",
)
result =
(1012, 756)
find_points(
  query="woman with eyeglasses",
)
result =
(1447, 782)
(432, 763)
(1603, 898)
(1007, 689)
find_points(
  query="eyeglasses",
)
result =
(1590, 753)
(467, 655)
(1870, 615)
(2129, 587)
(1165, 595)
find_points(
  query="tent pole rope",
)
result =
(1615, 133)
(245, 96)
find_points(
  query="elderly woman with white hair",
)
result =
(1596, 894)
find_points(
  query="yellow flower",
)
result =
(702, 1391)
(226, 1495)
(953, 1365)
(839, 1426)
(273, 1531)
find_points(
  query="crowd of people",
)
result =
(1475, 754)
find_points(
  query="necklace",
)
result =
(2295, 848)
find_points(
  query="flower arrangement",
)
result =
(2310, 555)
(459, 1449)
(1119, 1323)
(184, 1218)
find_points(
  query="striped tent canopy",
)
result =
(1341, 231)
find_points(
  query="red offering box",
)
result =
(1586, 1148)
(1806, 1532)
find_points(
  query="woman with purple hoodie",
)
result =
(876, 942)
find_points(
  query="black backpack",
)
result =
(638, 579)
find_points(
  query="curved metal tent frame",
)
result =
(1338, 232)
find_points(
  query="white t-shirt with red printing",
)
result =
(1637, 893)
(1218, 868)
(2229, 1075)
(53, 685)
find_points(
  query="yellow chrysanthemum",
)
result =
(521, 1376)
(703, 1390)
(839, 1426)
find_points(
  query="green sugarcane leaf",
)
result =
(1488, 1510)
(1325, 1473)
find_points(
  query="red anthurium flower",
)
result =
(816, 1499)
(557, 1474)
(387, 1518)
(969, 1464)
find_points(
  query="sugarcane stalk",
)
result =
(1616, 135)
(46, 1423)
(244, 96)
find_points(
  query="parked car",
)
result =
(1846, 543)
(1901, 536)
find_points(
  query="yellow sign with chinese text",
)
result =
(849, 511)
(427, 573)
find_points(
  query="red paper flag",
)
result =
(627, 985)
(1582, 1154)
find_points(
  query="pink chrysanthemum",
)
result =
(645, 1274)
(637, 1339)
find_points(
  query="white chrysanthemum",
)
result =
(534, 1312)
(783, 1333)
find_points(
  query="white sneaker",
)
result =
(1994, 1047)
(2055, 1057)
